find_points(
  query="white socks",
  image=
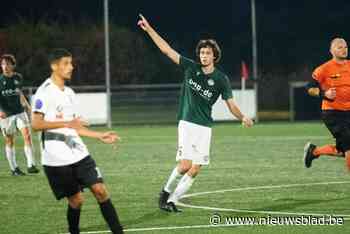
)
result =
(28, 152)
(11, 157)
(172, 181)
(183, 186)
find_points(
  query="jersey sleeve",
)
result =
(19, 80)
(40, 103)
(186, 63)
(226, 92)
(318, 75)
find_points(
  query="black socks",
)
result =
(110, 215)
(73, 217)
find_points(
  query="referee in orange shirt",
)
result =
(331, 82)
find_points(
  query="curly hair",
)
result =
(211, 43)
(9, 58)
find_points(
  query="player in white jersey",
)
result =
(65, 158)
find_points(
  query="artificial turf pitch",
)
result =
(262, 167)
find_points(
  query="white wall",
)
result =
(245, 101)
(93, 107)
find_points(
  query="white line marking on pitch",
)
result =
(259, 188)
(264, 187)
(235, 210)
(165, 228)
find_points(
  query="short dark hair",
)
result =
(9, 58)
(212, 44)
(57, 54)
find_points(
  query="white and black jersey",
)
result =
(59, 105)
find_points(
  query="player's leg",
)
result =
(9, 145)
(64, 183)
(343, 143)
(347, 159)
(8, 129)
(184, 185)
(107, 208)
(312, 152)
(337, 125)
(75, 203)
(22, 123)
(184, 163)
(11, 155)
(327, 150)
(199, 151)
(90, 176)
(174, 178)
(178, 172)
(28, 150)
(343, 140)
(182, 167)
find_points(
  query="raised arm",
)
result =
(247, 122)
(159, 41)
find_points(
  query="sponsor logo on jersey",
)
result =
(211, 82)
(59, 115)
(10, 92)
(38, 104)
(335, 76)
(59, 108)
(206, 93)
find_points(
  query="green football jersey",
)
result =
(200, 91)
(10, 90)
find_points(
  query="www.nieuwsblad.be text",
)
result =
(303, 220)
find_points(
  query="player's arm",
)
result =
(40, 124)
(159, 41)
(25, 103)
(2, 113)
(23, 99)
(106, 137)
(314, 89)
(247, 122)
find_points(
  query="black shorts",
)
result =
(338, 123)
(66, 181)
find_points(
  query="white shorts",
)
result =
(10, 124)
(193, 143)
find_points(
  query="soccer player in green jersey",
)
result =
(13, 115)
(203, 84)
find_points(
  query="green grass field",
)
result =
(267, 155)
